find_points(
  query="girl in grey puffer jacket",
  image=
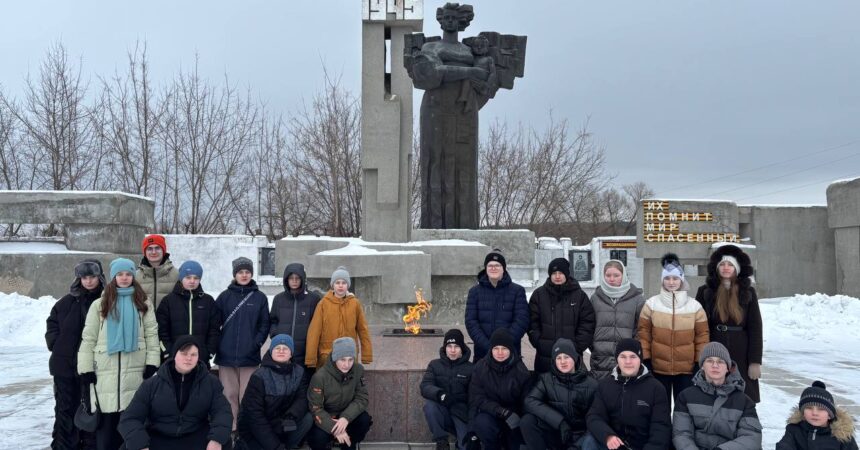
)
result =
(617, 304)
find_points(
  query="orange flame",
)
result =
(414, 313)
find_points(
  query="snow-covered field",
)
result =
(807, 337)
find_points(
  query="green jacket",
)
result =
(118, 375)
(333, 394)
(158, 282)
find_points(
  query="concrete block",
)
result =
(725, 214)
(843, 203)
(104, 238)
(39, 274)
(847, 244)
(76, 207)
(518, 246)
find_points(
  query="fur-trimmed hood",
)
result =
(745, 275)
(842, 427)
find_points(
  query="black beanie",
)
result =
(496, 255)
(183, 341)
(455, 336)
(502, 337)
(566, 346)
(817, 395)
(559, 265)
(628, 345)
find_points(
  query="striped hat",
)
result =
(817, 395)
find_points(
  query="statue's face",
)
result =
(448, 21)
(480, 47)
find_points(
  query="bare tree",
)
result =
(635, 192)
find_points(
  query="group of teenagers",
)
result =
(138, 347)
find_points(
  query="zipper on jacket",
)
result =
(118, 379)
(190, 309)
(814, 430)
(672, 334)
(295, 310)
(154, 287)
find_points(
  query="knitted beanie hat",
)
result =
(283, 339)
(190, 268)
(566, 346)
(496, 255)
(628, 345)
(817, 395)
(559, 265)
(455, 336)
(242, 263)
(502, 337)
(121, 265)
(343, 347)
(734, 262)
(341, 274)
(154, 239)
(715, 349)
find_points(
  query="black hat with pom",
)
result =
(817, 395)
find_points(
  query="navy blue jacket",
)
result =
(489, 308)
(245, 333)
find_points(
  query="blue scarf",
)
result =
(122, 327)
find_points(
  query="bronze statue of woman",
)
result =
(458, 79)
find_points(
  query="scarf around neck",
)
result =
(613, 292)
(122, 327)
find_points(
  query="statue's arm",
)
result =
(456, 73)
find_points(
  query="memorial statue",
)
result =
(458, 78)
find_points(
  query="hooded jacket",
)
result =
(635, 409)
(157, 281)
(333, 394)
(65, 325)
(120, 374)
(708, 416)
(614, 321)
(498, 384)
(801, 435)
(245, 333)
(489, 308)
(451, 378)
(337, 317)
(745, 345)
(673, 330)
(558, 397)
(154, 418)
(559, 312)
(194, 313)
(274, 392)
(292, 312)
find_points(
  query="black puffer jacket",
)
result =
(154, 418)
(567, 397)
(64, 327)
(274, 392)
(183, 313)
(559, 312)
(635, 409)
(496, 384)
(801, 435)
(451, 378)
(292, 312)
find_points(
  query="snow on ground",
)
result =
(806, 337)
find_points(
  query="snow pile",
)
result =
(817, 317)
(22, 319)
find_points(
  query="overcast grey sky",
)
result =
(680, 92)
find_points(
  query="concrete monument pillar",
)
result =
(386, 118)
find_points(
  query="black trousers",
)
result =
(495, 434)
(319, 439)
(67, 398)
(107, 436)
(674, 384)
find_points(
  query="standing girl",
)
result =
(734, 317)
(119, 349)
(617, 305)
(673, 330)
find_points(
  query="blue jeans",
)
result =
(441, 423)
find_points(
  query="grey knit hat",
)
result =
(715, 349)
(242, 263)
(340, 274)
(342, 347)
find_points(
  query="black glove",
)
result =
(471, 441)
(502, 412)
(288, 424)
(565, 431)
(88, 378)
(149, 371)
(513, 421)
(443, 398)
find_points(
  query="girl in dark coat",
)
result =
(558, 403)
(734, 318)
(182, 407)
(63, 336)
(818, 424)
(499, 383)
(189, 311)
(274, 413)
(559, 309)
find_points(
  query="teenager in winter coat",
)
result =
(734, 318)
(338, 314)
(673, 330)
(189, 311)
(617, 305)
(715, 412)
(495, 302)
(156, 273)
(293, 310)
(245, 325)
(557, 405)
(181, 408)
(559, 309)
(817, 424)
(445, 386)
(630, 407)
(119, 349)
(338, 399)
(499, 384)
(65, 325)
(274, 413)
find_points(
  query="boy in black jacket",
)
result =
(817, 424)
(446, 387)
(63, 337)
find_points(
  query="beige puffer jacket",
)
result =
(157, 282)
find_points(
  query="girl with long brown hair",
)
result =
(734, 318)
(119, 349)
